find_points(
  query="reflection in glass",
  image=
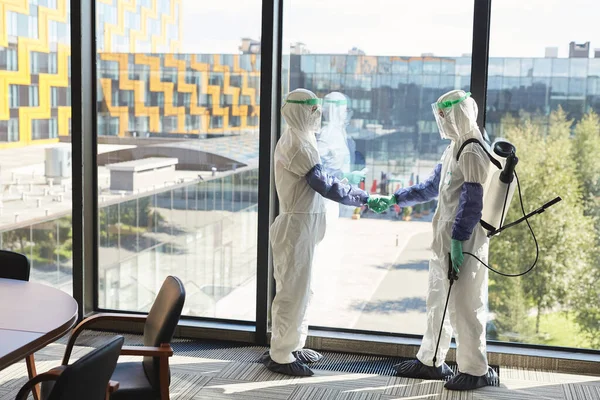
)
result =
(594, 67)
(496, 67)
(560, 67)
(579, 67)
(527, 67)
(512, 67)
(542, 67)
(172, 198)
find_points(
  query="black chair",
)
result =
(87, 378)
(150, 378)
(16, 266)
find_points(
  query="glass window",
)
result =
(186, 221)
(53, 128)
(579, 67)
(12, 23)
(384, 65)
(53, 63)
(512, 67)
(594, 67)
(33, 57)
(560, 67)
(415, 66)
(33, 26)
(496, 67)
(323, 64)
(560, 87)
(542, 115)
(577, 87)
(391, 89)
(448, 66)
(13, 130)
(542, 67)
(13, 93)
(308, 64)
(431, 66)
(399, 65)
(527, 67)
(11, 60)
(54, 97)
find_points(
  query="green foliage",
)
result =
(566, 236)
(586, 148)
(586, 152)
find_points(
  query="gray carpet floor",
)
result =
(215, 371)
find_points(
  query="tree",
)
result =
(565, 236)
(586, 296)
(586, 152)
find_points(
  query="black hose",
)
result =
(537, 247)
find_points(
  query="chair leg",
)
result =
(30, 361)
(164, 378)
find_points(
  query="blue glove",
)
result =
(456, 254)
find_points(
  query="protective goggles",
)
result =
(337, 102)
(308, 102)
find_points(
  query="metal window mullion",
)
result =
(270, 90)
(83, 141)
(480, 55)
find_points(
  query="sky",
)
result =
(519, 28)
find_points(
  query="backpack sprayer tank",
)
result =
(500, 186)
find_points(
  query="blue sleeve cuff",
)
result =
(422, 192)
(333, 189)
(469, 213)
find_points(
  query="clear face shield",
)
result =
(316, 111)
(441, 112)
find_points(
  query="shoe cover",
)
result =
(307, 356)
(417, 370)
(293, 369)
(470, 382)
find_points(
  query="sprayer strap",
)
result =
(473, 140)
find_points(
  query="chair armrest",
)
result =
(113, 386)
(85, 324)
(164, 350)
(51, 375)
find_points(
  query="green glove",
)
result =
(355, 177)
(380, 204)
(456, 254)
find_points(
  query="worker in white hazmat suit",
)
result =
(334, 151)
(332, 143)
(458, 183)
(302, 185)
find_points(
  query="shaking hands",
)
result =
(379, 203)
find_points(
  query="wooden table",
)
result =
(32, 316)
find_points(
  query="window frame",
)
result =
(84, 120)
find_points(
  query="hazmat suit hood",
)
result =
(302, 113)
(332, 140)
(335, 110)
(456, 115)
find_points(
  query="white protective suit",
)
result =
(298, 228)
(468, 300)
